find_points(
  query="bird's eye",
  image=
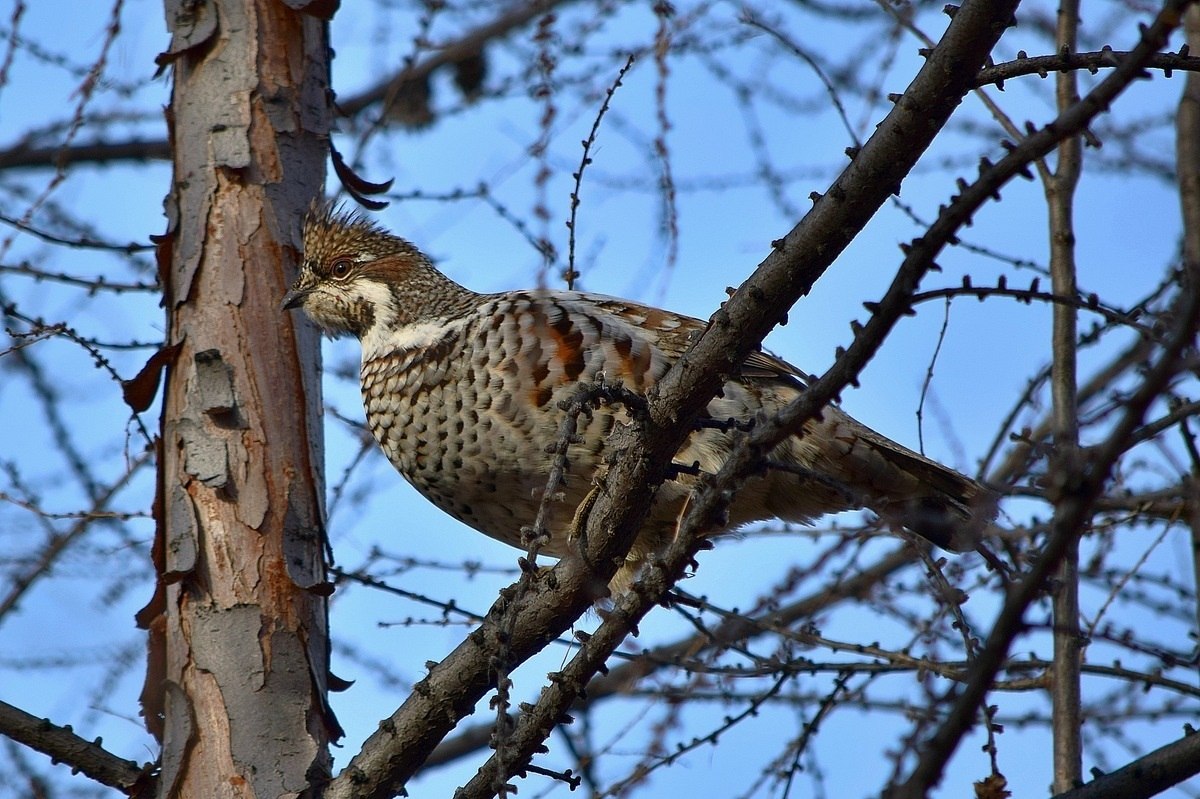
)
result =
(340, 269)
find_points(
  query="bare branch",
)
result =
(1187, 156)
(1065, 692)
(469, 43)
(1147, 776)
(616, 681)
(1061, 62)
(88, 757)
(404, 741)
(1083, 484)
(23, 156)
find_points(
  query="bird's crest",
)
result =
(332, 230)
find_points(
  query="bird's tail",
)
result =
(904, 487)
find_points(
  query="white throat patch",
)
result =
(383, 340)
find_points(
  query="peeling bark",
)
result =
(245, 641)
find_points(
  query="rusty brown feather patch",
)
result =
(568, 342)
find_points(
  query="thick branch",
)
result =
(404, 741)
(1078, 496)
(87, 757)
(1187, 157)
(1147, 776)
(618, 681)
(536, 723)
(1085, 484)
(708, 505)
(97, 152)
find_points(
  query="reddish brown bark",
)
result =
(244, 649)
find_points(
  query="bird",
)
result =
(466, 394)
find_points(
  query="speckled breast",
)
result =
(468, 419)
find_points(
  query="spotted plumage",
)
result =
(463, 392)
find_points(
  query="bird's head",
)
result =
(356, 277)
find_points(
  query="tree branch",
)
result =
(1187, 158)
(87, 757)
(1085, 484)
(23, 156)
(1147, 776)
(470, 43)
(1060, 186)
(1079, 494)
(1093, 62)
(617, 681)
(390, 757)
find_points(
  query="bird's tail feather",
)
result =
(904, 487)
(947, 508)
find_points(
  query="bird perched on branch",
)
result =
(466, 394)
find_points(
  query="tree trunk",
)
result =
(240, 659)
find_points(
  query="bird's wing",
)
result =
(920, 493)
(673, 333)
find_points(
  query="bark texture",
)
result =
(239, 650)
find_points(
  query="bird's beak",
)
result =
(293, 299)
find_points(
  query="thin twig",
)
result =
(1060, 186)
(572, 273)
